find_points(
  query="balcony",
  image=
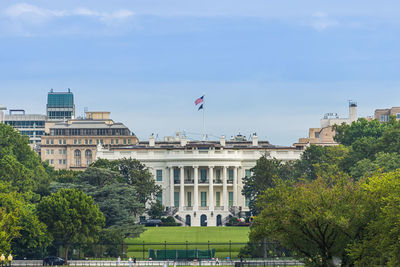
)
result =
(203, 181)
(203, 208)
(217, 181)
(191, 181)
(230, 181)
(177, 181)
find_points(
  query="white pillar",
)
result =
(182, 189)
(171, 186)
(225, 189)
(196, 189)
(211, 187)
(235, 186)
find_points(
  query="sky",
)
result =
(268, 67)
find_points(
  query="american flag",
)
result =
(199, 100)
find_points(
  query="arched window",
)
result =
(88, 153)
(77, 153)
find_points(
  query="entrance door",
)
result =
(203, 220)
(188, 220)
(219, 220)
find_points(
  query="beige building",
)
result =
(383, 114)
(324, 135)
(72, 144)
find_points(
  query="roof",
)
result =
(88, 124)
(24, 117)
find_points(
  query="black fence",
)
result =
(142, 251)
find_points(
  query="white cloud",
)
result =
(23, 10)
(321, 21)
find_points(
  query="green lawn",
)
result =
(223, 239)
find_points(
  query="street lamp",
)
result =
(2, 259)
(10, 258)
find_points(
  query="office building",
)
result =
(383, 114)
(31, 125)
(201, 180)
(324, 135)
(72, 144)
(60, 106)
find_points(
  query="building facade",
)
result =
(324, 135)
(60, 106)
(201, 181)
(383, 114)
(31, 125)
(72, 144)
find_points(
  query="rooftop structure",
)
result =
(60, 105)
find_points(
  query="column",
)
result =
(171, 186)
(182, 189)
(196, 189)
(211, 187)
(225, 189)
(235, 187)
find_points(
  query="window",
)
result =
(230, 175)
(218, 199)
(47, 151)
(60, 151)
(203, 175)
(189, 199)
(90, 141)
(316, 134)
(52, 141)
(176, 199)
(86, 142)
(64, 161)
(159, 175)
(79, 141)
(218, 175)
(47, 141)
(247, 173)
(64, 142)
(397, 115)
(52, 161)
(204, 199)
(159, 197)
(52, 151)
(77, 153)
(112, 141)
(230, 199)
(246, 201)
(59, 161)
(384, 118)
(78, 162)
(88, 153)
(124, 141)
(75, 141)
(129, 141)
(59, 141)
(176, 175)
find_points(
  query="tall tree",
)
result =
(71, 216)
(316, 219)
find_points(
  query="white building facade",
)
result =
(201, 181)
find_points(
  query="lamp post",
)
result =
(2, 259)
(10, 258)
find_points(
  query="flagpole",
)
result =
(204, 124)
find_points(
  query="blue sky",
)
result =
(271, 67)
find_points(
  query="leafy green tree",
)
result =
(135, 174)
(379, 245)
(71, 216)
(263, 176)
(316, 219)
(156, 210)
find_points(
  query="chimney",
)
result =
(254, 138)
(152, 141)
(222, 140)
(352, 111)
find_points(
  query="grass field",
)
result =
(227, 241)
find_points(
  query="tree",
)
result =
(264, 174)
(135, 174)
(316, 219)
(379, 245)
(71, 216)
(156, 210)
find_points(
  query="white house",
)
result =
(201, 180)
